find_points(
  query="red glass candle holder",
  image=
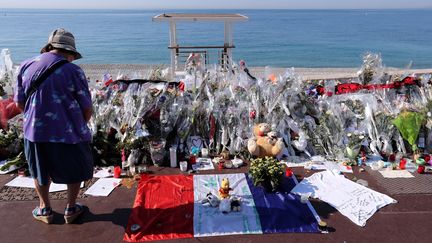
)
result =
(402, 164)
(288, 172)
(220, 165)
(117, 172)
(192, 159)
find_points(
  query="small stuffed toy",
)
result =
(224, 189)
(264, 143)
(225, 205)
(211, 199)
(235, 204)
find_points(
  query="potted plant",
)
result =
(266, 172)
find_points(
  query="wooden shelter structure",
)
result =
(180, 53)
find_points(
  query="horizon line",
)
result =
(159, 9)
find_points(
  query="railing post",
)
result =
(173, 43)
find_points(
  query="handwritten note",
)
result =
(103, 187)
(352, 200)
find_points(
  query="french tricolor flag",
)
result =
(169, 207)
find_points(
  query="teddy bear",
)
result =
(224, 189)
(264, 143)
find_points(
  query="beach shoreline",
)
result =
(96, 71)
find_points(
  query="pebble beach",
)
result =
(96, 71)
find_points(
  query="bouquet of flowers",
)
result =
(352, 149)
(266, 172)
(8, 71)
(409, 123)
(372, 68)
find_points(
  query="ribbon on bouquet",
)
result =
(355, 87)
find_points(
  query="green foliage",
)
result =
(266, 171)
(409, 124)
(18, 161)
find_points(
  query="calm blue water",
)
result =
(299, 38)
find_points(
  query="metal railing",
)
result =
(219, 55)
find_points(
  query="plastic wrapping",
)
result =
(372, 69)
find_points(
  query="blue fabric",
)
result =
(62, 163)
(282, 212)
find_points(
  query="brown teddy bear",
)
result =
(264, 143)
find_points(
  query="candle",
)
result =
(173, 157)
(204, 152)
(183, 166)
(288, 172)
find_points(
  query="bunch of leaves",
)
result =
(409, 123)
(266, 170)
(355, 139)
(105, 152)
(327, 135)
(384, 122)
(7, 138)
(353, 146)
(356, 106)
(18, 161)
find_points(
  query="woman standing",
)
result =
(54, 95)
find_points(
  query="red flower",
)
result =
(252, 114)
(181, 86)
(320, 89)
(426, 157)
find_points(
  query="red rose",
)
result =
(426, 158)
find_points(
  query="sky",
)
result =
(215, 4)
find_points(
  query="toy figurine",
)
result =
(225, 205)
(211, 199)
(224, 189)
(235, 204)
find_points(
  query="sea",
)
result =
(279, 38)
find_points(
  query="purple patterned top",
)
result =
(54, 112)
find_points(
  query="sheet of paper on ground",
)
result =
(203, 164)
(320, 163)
(395, 174)
(352, 200)
(103, 187)
(28, 182)
(103, 173)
